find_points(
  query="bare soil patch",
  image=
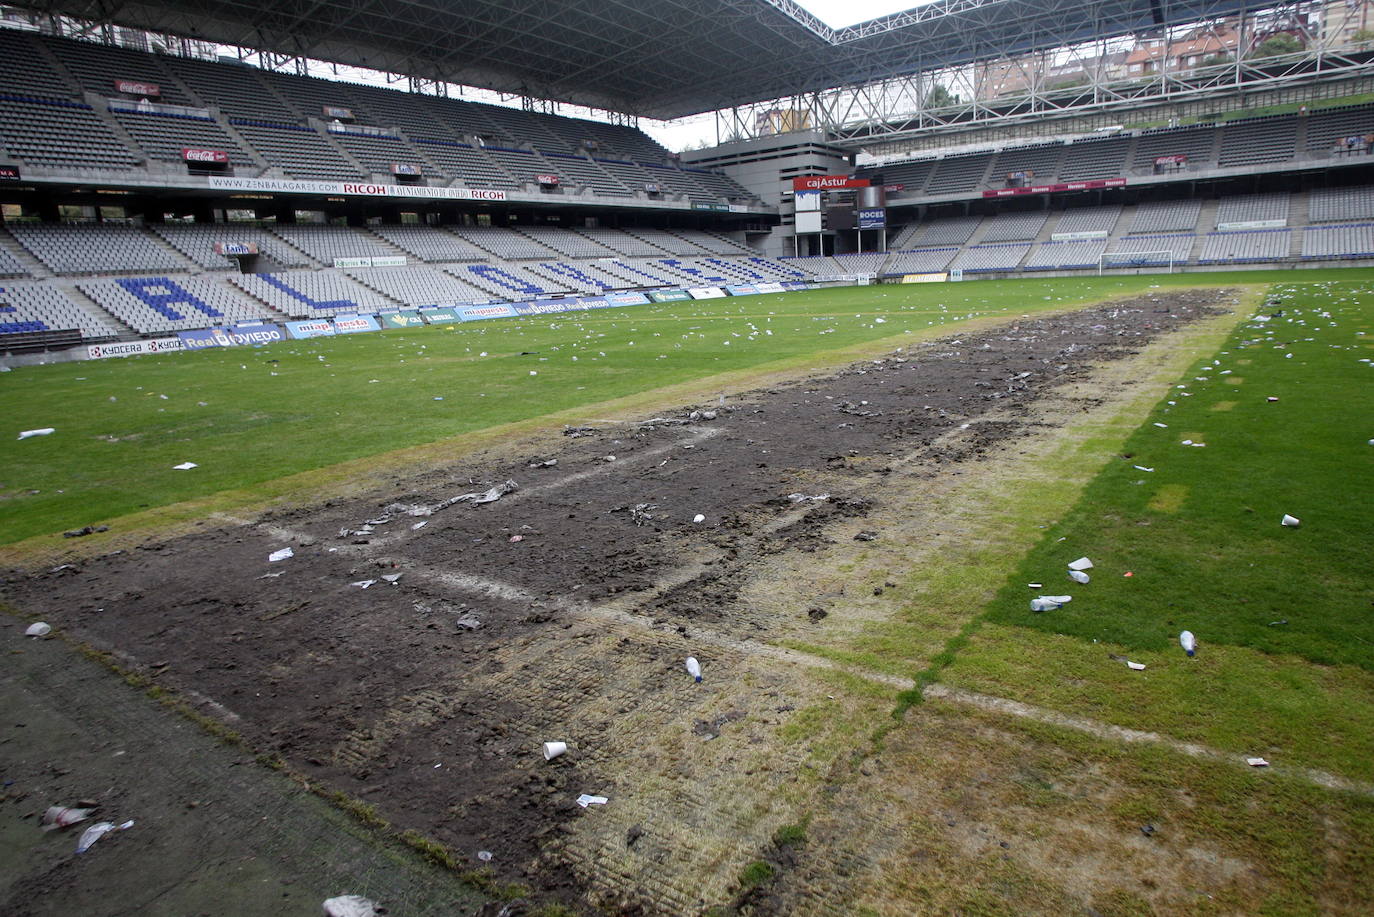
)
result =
(563, 609)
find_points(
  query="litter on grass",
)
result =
(283, 554)
(1078, 576)
(96, 832)
(1188, 642)
(1081, 564)
(62, 816)
(363, 584)
(392, 578)
(350, 906)
(45, 431)
(1138, 666)
(694, 668)
(584, 800)
(38, 629)
(185, 466)
(698, 518)
(1256, 762)
(554, 749)
(1291, 521)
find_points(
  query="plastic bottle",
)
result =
(694, 668)
(1188, 642)
(1078, 576)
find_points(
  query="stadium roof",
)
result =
(660, 59)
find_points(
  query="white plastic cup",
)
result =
(554, 749)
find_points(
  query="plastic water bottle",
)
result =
(1188, 642)
(694, 668)
(1078, 576)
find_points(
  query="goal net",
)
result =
(1152, 262)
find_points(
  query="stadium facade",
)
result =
(154, 186)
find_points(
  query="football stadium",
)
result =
(687, 458)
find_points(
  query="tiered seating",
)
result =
(10, 266)
(467, 163)
(904, 236)
(675, 180)
(1350, 241)
(237, 91)
(27, 72)
(583, 277)
(814, 265)
(861, 262)
(1042, 161)
(43, 307)
(952, 231)
(325, 243)
(721, 185)
(158, 305)
(639, 272)
(780, 270)
(1324, 128)
(523, 165)
(378, 153)
(96, 67)
(164, 136)
(1328, 204)
(1081, 253)
(694, 272)
(309, 97)
(506, 244)
(45, 132)
(566, 242)
(1248, 208)
(669, 242)
(298, 151)
(1193, 142)
(912, 176)
(197, 242)
(1166, 216)
(1014, 227)
(955, 174)
(621, 242)
(309, 294)
(921, 261)
(506, 281)
(711, 242)
(429, 243)
(1257, 141)
(1085, 160)
(979, 258)
(631, 175)
(417, 285)
(1089, 219)
(1245, 247)
(1180, 245)
(90, 248)
(574, 171)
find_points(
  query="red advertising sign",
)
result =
(893, 189)
(1062, 186)
(404, 168)
(138, 88)
(215, 156)
(828, 183)
(546, 179)
(9, 173)
(1174, 159)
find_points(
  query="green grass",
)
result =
(1201, 533)
(253, 415)
(1284, 619)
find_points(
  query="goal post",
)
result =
(1152, 260)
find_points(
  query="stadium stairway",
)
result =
(1298, 204)
(37, 269)
(1206, 222)
(100, 107)
(68, 286)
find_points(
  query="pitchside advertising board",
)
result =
(355, 324)
(351, 189)
(133, 348)
(669, 295)
(315, 328)
(244, 334)
(401, 320)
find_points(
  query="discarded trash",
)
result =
(1162, 425)
(96, 832)
(1256, 762)
(554, 749)
(548, 463)
(1147, 830)
(38, 629)
(1188, 642)
(86, 530)
(1035, 585)
(1081, 564)
(363, 583)
(584, 800)
(514, 538)
(283, 554)
(1138, 666)
(43, 432)
(1271, 398)
(185, 466)
(469, 621)
(350, 906)
(392, 578)
(609, 458)
(694, 668)
(866, 536)
(1043, 605)
(484, 856)
(698, 518)
(803, 498)
(1078, 576)
(1128, 573)
(1143, 468)
(62, 816)
(1291, 521)
(1060, 599)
